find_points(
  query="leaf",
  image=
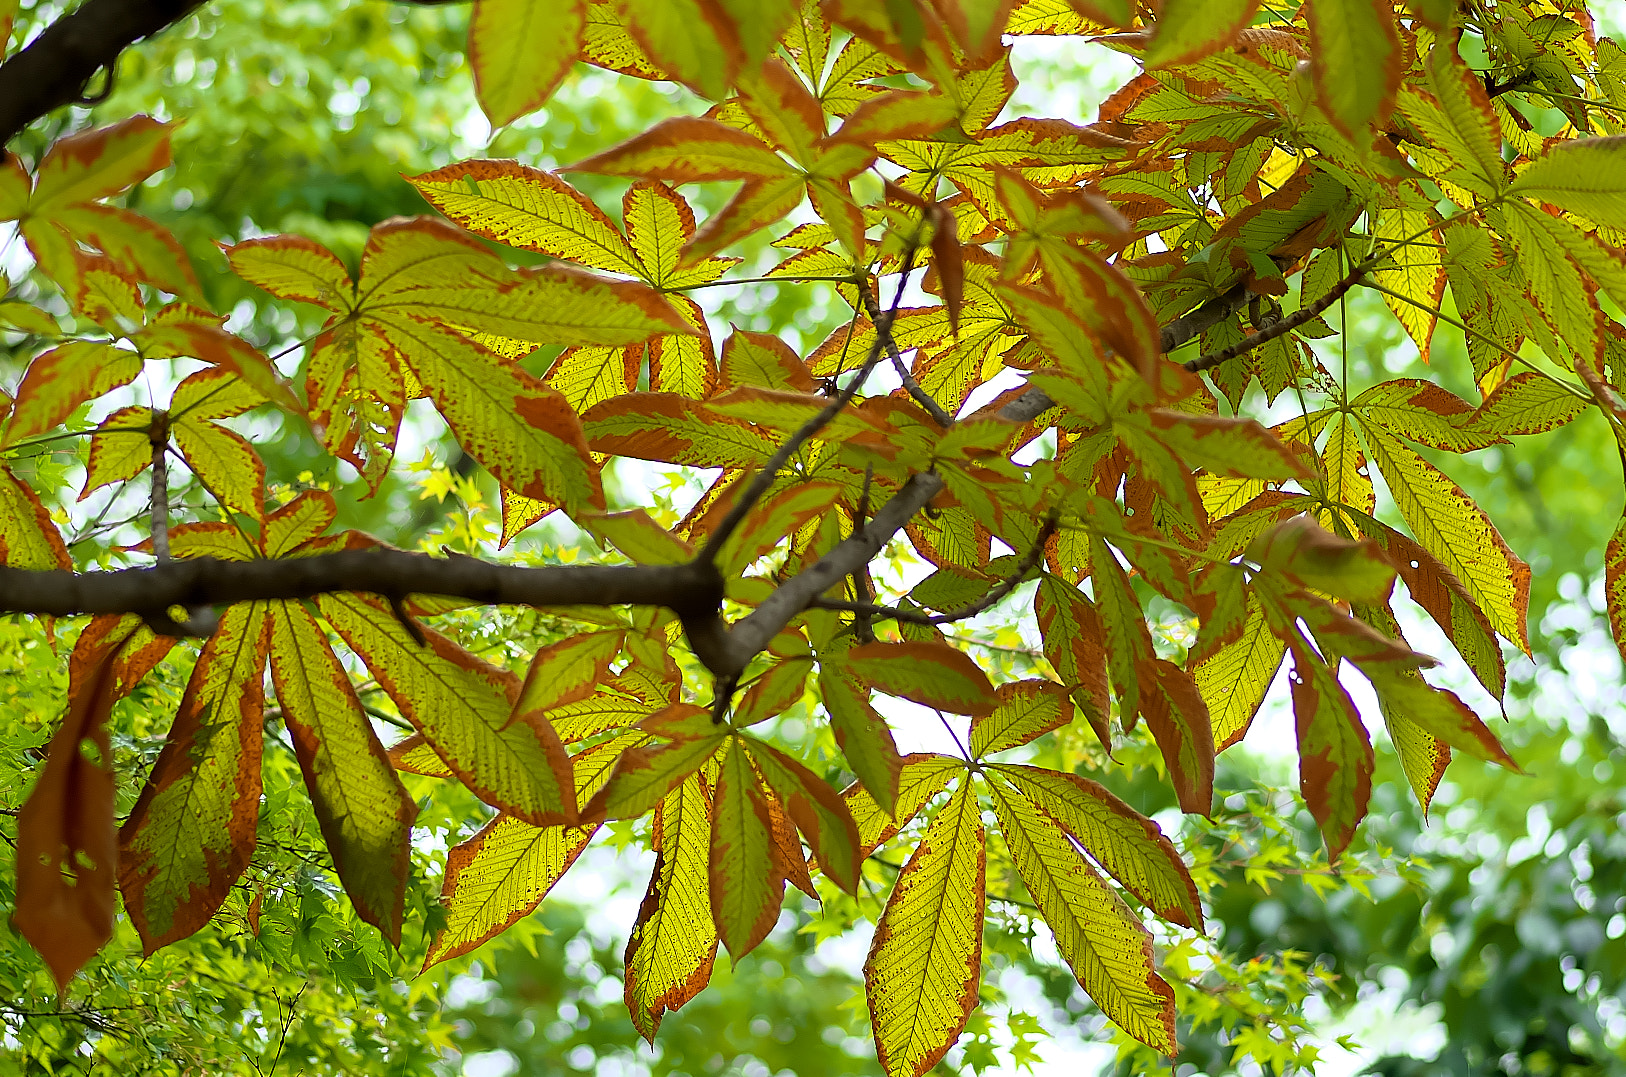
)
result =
(1335, 752)
(897, 114)
(1423, 757)
(1356, 61)
(779, 688)
(528, 208)
(764, 360)
(415, 755)
(1453, 528)
(1439, 712)
(1074, 644)
(1188, 30)
(462, 706)
(501, 874)
(931, 674)
(864, 737)
(1227, 446)
(747, 886)
(1128, 845)
(215, 346)
(1178, 718)
(689, 150)
(364, 812)
(639, 537)
(67, 848)
(673, 944)
(522, 431)
(15, 187)
(687, 39)
(1312, 557)
(567, 671)
(293, 267)
(192, 830)
(1418, 272)
(643, 776)
(520, 51)
(1106, 946)
(1526, 403)
(1584, 175)
(819, 813)
(1024, 712)
(225, 462)
(1425, 412)
(60, 380)
(1233, 680)
(99, 163)
(925, 959)
(136, 245)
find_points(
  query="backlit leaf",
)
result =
(1356, 59)
(1335, 751)
(1585, 176)
(1024, 711)
(520, 51)
(931, 674)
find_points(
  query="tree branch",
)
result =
(686, 588)
(997, 592)
(56, 66)
(910, 385)
(1289, 323)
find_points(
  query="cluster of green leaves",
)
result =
(1257, 155)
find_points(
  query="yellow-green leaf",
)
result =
(59, 380)
(747, 886)
(1585, 176)
(1356, 60)
(926, 957)
(520, 51)
(931, 674)
(1023, 711)
(1107, 947)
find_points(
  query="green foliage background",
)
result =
(1499, 926)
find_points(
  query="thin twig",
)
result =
(921, 396)
(1286, 325)
(998, 592)
(764, 479)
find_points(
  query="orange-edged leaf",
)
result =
(756, 205)
(1439, 712)
(665, 426)
(692, 42)
(1583, 175)
(931, 674)
(817, 810)
(1129, 642)
(783, 109)
(1335, 752)
(529, 208)
(765, 361)
(1227, 446)
(864, 737)
(520, 51)
(1356, 60)
(659, 221)
(212, 393)
(224, 461)
(1188, 30)
(688, 150)
(15, 187)
(28, 538)
(213, 538)
(364, 812)
(502, 873)
(297, 522)
(499, 876)
(293, 267)
(1179, 721)
(192, 830)
(922, 776)
(100, 162)
(520, 512)
(1614, 584)
(926, 956)
(671, 948)
(1415, 271)
(136, 651)
(1423, 756)
(747, 886)
(119, 449)
(67, 846)
(1424, 412)
(1023, 712)
(522, 431)
(1073, 642)
(214, 345)
(1527, 403)
(139, 246)
(1128, 845)
(1451, 526)
(462, 705)
(567, 671)
(59, 380)
(1234, 679)
(1311, 556)
(644, 775)
(556, 304)
(773, 520)
(779, 688)
(897, 114)
(975, 24)
(638, 536)
(1106, 945)
(416, 755)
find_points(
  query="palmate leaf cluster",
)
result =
(1103, 406)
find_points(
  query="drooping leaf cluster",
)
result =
(1101, 405)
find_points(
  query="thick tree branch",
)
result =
(56, 66)
(205, 581)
